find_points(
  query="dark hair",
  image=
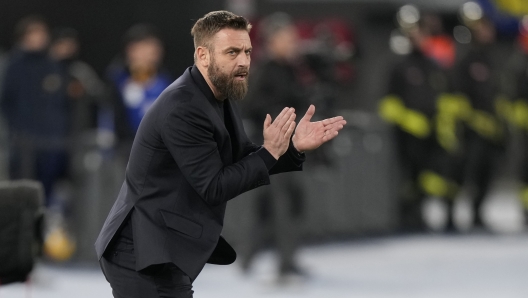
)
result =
(23, 25)
(207, 26)
(140, 32)
(273, 24)
(65, 33)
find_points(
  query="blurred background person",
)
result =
(137, 80)
(85, 93)
(415, 86)
(515, 84)
(3, 129)
(36, 109)
(278, 209)
(85, 89)
(438, 45)
(477, 78)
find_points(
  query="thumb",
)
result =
(267, 121)
(309, 114)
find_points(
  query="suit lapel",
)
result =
(238, 129)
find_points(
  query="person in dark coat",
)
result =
(189, 157)
(477, 78)
(278, 207)
(36, 108)
(415, 86)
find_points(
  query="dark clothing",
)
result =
(34, 100)
(279, 206)
(162, 280)
(417, 82)
(37, 113)
(184, 167)
(85, 92)
(517, 90)
(273, 87)
(478, 81)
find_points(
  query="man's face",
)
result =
(65, 48)
(283, 44)
(145, 54)
(36, 38)
(228, 68)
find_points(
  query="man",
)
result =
(477, 78)
(137, 81)
(415, 86)
(85, 89)
(35, 108)
(189, 157)
(276, 84)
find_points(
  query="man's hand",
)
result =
(277, 134)
(310, 135)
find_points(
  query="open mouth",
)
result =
(241, 76)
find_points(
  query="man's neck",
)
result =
(216, 94)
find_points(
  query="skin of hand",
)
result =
(310, 135)
(277, 134)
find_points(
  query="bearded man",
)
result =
(189, 157)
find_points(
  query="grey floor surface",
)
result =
(423, 266)
(481, 266)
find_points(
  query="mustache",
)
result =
(242, 71)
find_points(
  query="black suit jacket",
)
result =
(183, 168)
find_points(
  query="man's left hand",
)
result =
(310, 135)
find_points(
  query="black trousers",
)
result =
(156, 281)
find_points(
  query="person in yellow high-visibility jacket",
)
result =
(410, 105)
(477, 79)
(515, 109)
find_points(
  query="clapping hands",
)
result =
(308, 135)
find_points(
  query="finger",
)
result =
(286, 125)
(286, 117)
(279, 117)
(329, 135)
(330, 121)
(289, 132)
(309, 113)
(330, 130)
(267, 121)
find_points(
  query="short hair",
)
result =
(141, 32)
(273, 24)
(207, 26)
(65, 33)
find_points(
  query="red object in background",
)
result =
(523, 42)
(523, 38)
(441, 48)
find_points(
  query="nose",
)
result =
(243, 60)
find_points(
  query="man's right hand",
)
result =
(277, 134)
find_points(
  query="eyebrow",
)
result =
(237, 49)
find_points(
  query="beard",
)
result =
(226, 83)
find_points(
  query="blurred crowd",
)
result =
(452, 113)
(455, 113)
(53, 104)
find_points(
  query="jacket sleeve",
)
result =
(189, 136)
(290, 161)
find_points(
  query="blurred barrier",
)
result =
(97, 177)
(352, 193)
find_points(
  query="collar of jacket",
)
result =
(202, 85)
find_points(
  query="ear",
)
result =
(203, 56)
